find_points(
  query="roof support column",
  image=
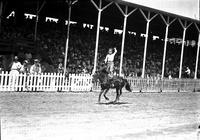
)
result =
(145, 48)
(183, 43)
(125, 14)
(197, 56)
(123, 41)
(148, 19)
(39, 8)
(70, 3)
(1, 10)
(165, 48)
(100, 9)
(167, 23)
(182, 51)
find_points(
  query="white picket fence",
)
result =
(45, 82)
(83, 82)
(164, 85)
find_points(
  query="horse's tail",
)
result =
(127, 85)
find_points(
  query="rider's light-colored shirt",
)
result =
(110, 57)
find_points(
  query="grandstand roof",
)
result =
(85, 12)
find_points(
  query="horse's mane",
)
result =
(104, 71)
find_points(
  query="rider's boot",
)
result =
(111, 79)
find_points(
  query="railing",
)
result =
(164, 85)
(83, 82)
(45, 82)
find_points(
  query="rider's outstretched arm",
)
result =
(115, 50)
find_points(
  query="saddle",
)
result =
(113, 79)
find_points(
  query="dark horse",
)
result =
(106, 83)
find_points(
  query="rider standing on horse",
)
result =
(110, 60)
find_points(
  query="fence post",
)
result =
(1, 80)
(65, 81)
(20, 82)
(70, 83)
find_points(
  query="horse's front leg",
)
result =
(105, 94)
(102, 90)
(120, 93)
(117, 95)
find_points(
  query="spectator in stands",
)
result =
(188, 72)
(170, 75)
(25, 69)
(36, 67)
(84, 71)
(28, 56)
(50, 42)
(60, 68)
(1, 65)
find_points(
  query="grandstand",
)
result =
(155, 45)
(112, 15)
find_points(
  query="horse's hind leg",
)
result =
(105, 94)
(100, 95)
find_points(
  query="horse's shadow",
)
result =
(113, 103)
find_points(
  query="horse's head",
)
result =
(104, 71)
(95, 77)
(100, 76)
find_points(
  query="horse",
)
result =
(107, 82)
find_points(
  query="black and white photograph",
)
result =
(99, 70)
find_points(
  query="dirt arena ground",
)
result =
(78, 116)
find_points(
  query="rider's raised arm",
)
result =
(115, 50)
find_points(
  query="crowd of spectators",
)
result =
(50, 50)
